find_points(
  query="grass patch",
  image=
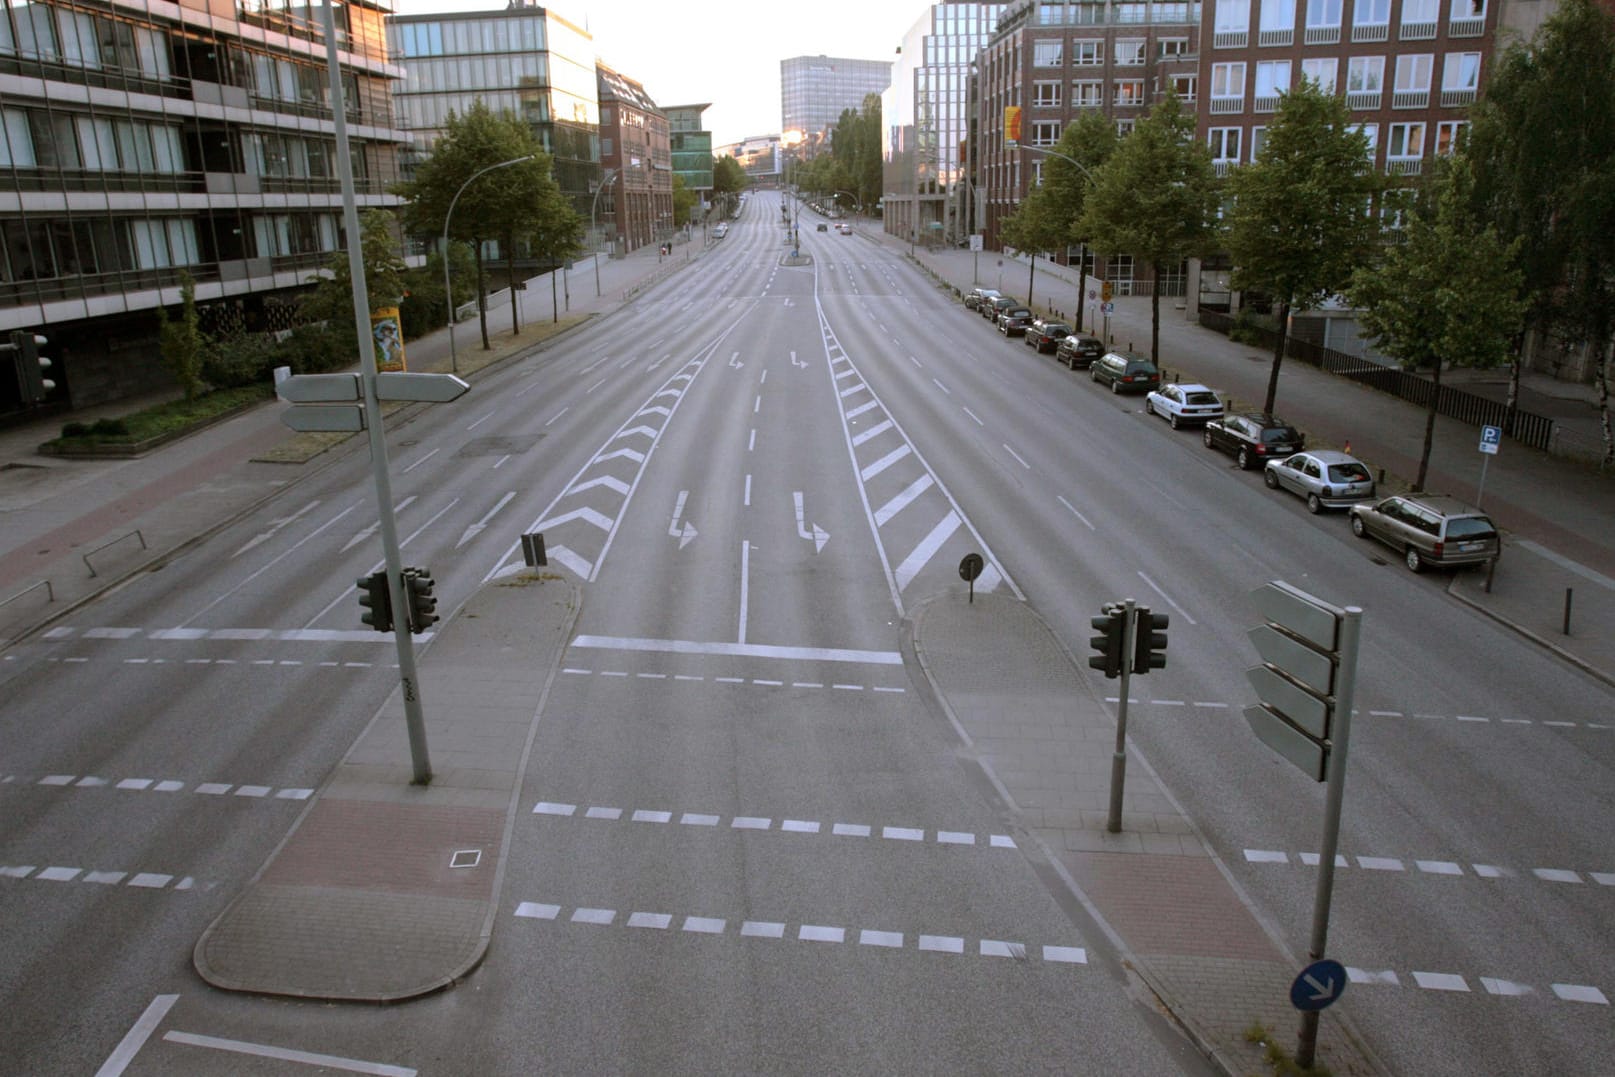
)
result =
(1281, 1062)
(163, 420)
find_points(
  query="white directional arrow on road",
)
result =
(275, 527)
(476, 529)
(686, 533)
(373, 528)
(734, 361)
(798, 362)
(818, 535)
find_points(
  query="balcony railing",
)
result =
(1466, 27)
(1404, 166)
(1373, 32)
(1457, 98)
(1268, 39)
(1321, 35)
(1230, 39)
(1417, 31)
(1267, 102)
(1222, 106)
(1410, 99)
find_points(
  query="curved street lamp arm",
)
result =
(448, 296)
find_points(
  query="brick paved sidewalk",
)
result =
(1046, 739)
(385, 890)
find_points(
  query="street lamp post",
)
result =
(608, 176)
(448, 296)
(1082, 277)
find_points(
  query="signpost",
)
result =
(969, 568)
(324, 390)
(1306, 683)
(1491, 437)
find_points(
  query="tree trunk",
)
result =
(482, 295)
(1603, 404)
(510, 275)
(1429, 430)
(1155, 316)
(1031, 274)
(1278, 357)
(1082, 281)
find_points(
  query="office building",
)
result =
(815, 90)
(636, 202)
(691, 148)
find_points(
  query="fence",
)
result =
(1528, 428)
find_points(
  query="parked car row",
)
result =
(1427, 529)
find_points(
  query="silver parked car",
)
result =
(1429, 529)
(1327, 479)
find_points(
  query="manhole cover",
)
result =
(508, 446)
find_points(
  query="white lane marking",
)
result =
(1580, 993)
(873, 432)
(751, 442)
(136, 1037)
(1441, 981)
(1074, 512)
(557, 415)
(274, 529)
(885, 462)
(902, 500)
(286, 1054)
(974, 416)
(1018, 458)
(477, 528)
(745, 572)
(419, 462)
(746, 650)
(479, 422)
(1181, 611)
(366, 532)
(757, 404)
(746, 500)
(928, 546)
(939, 385)
(271, 564)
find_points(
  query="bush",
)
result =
(240, 360)
(75, 430)
(109, 428)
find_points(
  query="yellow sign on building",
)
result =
(1012, 125)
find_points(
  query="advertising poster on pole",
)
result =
(389, 339)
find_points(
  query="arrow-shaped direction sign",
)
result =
(1307, 616)
(329, 419)
(1319, 984)
(319, 389)
(686, 533)
(1309, 713)
(427, 388)
(1311, 667)
(477, 528)
(818, 535)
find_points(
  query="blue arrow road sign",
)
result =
(1319, 984)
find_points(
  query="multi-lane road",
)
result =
(754, 472)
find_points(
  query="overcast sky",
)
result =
(723, 51)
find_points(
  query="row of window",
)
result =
(467, 37)
(34, 138)
(1126, 52)
(1092, 13)
(1279, 16)
(60, 35)
(1090, 93)
(1404, 142)
(1365, 76)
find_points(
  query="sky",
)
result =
(723, 51)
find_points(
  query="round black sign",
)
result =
(971, 566)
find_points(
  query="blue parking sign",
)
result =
(1490, 438)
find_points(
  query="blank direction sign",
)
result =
(320, 389)
(330, 419)
(1309, 713)
(427, 388)
(1311, 618)
(1288, 741)
(1312, 668)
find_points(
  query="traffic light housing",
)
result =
(1149, 640)
(418, 587)
(32, 384)
(377, 602)
(1112, 625)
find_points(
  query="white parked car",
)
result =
(1327, 479)
(1180, 405)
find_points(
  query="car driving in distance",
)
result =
(1429, 529)
(1013, 321)
(1325, 478)
(1079, 350)
(1182, 404)
(1045, 334)
(1252, 438)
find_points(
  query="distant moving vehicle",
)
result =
(1013, 321)
(720, 231)
(1045, 334)
(1252, 438)
(1079, 350)
(976, 296)
(1429, 529)
(1125, 372)
(823, 227)
(1326, 478)
(845, 229)
(1181, 404)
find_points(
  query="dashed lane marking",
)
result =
(831, 934)
(156, 785)
(1391, 864)
(140, 880)
(753, 682)
(1467, 719)
(1456, 983)
(563, 810)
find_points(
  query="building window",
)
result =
(1046, 53)
(1185, 86)
(1130, 14)
(1447, 136)
(1272, 82)
(1125, 127)
(1087, 94)
(1460, 77)
(1320, 71)
(1370, 20)
(1227, 87)
(1258, 137)
(1369, 131)
(1323, 22)
(1365, 81)
(1087, 53)
(1404, 144)
(1419, 19)
(1468, 18)
(1172, 46)
(1278, 23)
(1233, 24)
(1045, 133)
(1128, 92)
(1224, 143)
(1130, 53)
(1046, 95)
(1412, 89)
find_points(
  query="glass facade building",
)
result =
(815, 90)
(691, 147)
(524, 60)
(143, 141)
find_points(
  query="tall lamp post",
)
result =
(448, 296)
(1032, 258)
(608, 176)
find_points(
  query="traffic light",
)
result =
(1113, 623)
(377, 602)
(31, 366)
(418, 586)
(1149, 641)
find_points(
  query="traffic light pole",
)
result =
(1118, 761)
(414, 719)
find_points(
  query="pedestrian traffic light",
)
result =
(1149, 641)
(418, 585)
(32, 384)
(377, 602)
(1113, 625)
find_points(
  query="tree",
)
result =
(508, 202)
(1543, 145)
(1450, 293)
(1090, 139)
(330, 304)
(684, 200)
(181, 342)
(1301, 220)
(1036, 227)
(1156, 198)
